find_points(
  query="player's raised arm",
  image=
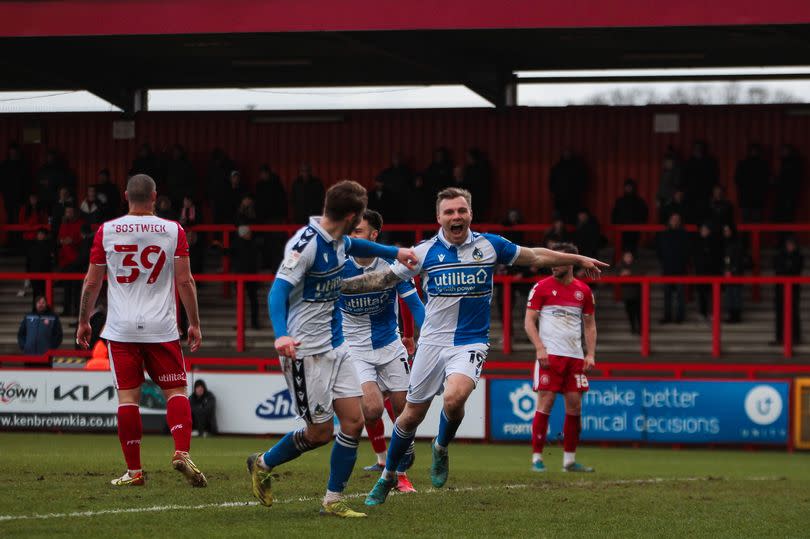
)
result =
(187, 290)
(368, 249)
(544, 258)
(370, 282)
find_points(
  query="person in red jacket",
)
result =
(68, 240)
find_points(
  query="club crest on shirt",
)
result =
(579, 295)
(477, 254)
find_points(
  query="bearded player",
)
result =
(558, 309)
(146, 260)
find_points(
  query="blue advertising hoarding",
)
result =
(658, 411)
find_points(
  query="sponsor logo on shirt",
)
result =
(366, 304)
(460, 281)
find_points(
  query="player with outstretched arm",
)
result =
(559, 308)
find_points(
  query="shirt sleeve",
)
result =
(589, 303)
(182, 243)
(506, 252)
(97, 254)
(299, 255)
(536, 298)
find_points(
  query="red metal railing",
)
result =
(507, 282)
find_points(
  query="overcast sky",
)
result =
(441, 96)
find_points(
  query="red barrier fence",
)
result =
(507, 282)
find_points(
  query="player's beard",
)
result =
(561, 273)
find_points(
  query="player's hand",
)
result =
(592, 267)
(285, 346)
(194, 338)
(410, 346)
(83, 333)
(542, 357)
(407, 257)
(590, 362)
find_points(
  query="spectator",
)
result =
(39, 259)
(40, 331)
(787, 184)
(752, 176)
(424, 201)
(557, 233)
(513, 218)
(677, 205)
(196, 249)
(33, 214)
(14, 177)
(629, 209)
(203, 410)
(567, 183)
(478, 179)
(51, 177)
(246, 254)
(673, 253)
(733, 265)
(789, 262)
(307, 195)
(720, 211)
(164, 209)
(188, 212)
(439, 174)
(397, 181)
(90, 209)
(181, 179)
(670, 182)
(68, 241)
(699, 175)
(147, 162)
(109, 196)
(271, 208)
(234, 194)
(217, 181)
(631, 293)
(458, 178)
(707, 257)
(588, 234)
(64, 200)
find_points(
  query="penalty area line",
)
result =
(306, 499)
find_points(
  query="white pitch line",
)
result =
(238, 504)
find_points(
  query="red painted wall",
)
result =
(522, 143)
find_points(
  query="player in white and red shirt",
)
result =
(145, 259)
(559, 306)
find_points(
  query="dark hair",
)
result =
(344, 198)
(374, 219)
(451, 193)
(565, 247)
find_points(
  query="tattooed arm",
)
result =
(370, 282)
(90, 289)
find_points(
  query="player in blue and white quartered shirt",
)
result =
(309, 340)
(371, 326)
(456, 267)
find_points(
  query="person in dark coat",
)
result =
(720, 210)
(232, 198)
(700, 174)
(630, 209)
(271, 208)
(733, 265)
(52, 176)
(246, 254)
(383, 202)
(439, 173)
(752, 176)
(108, 195)
(557, 233)
(181, 178)
(164, 208)
(677, 205)
(707, 259)
(789, 262)
(203, 410)
(149, 163)
(787, 184)
(478, 178)
(39, 258)
(673, 253)
(631, 293)
(397, 180)
(567, 182)
(670, 182)
(217, 179)
(424, 201)
(307, 195)
(40, 331)
(588, 234)
(15, 177)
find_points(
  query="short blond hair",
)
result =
(451, 193)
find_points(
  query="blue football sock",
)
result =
(400, 442)
(405, 462)
(344, 455)
(287, 449)
(447, 430)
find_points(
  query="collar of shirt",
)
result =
(358, 265)
(468, 241)
(315, 222)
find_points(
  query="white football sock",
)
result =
(569, 458)
(332, 497)
(537, 457)
(381, 458)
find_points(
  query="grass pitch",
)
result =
(58, 486)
